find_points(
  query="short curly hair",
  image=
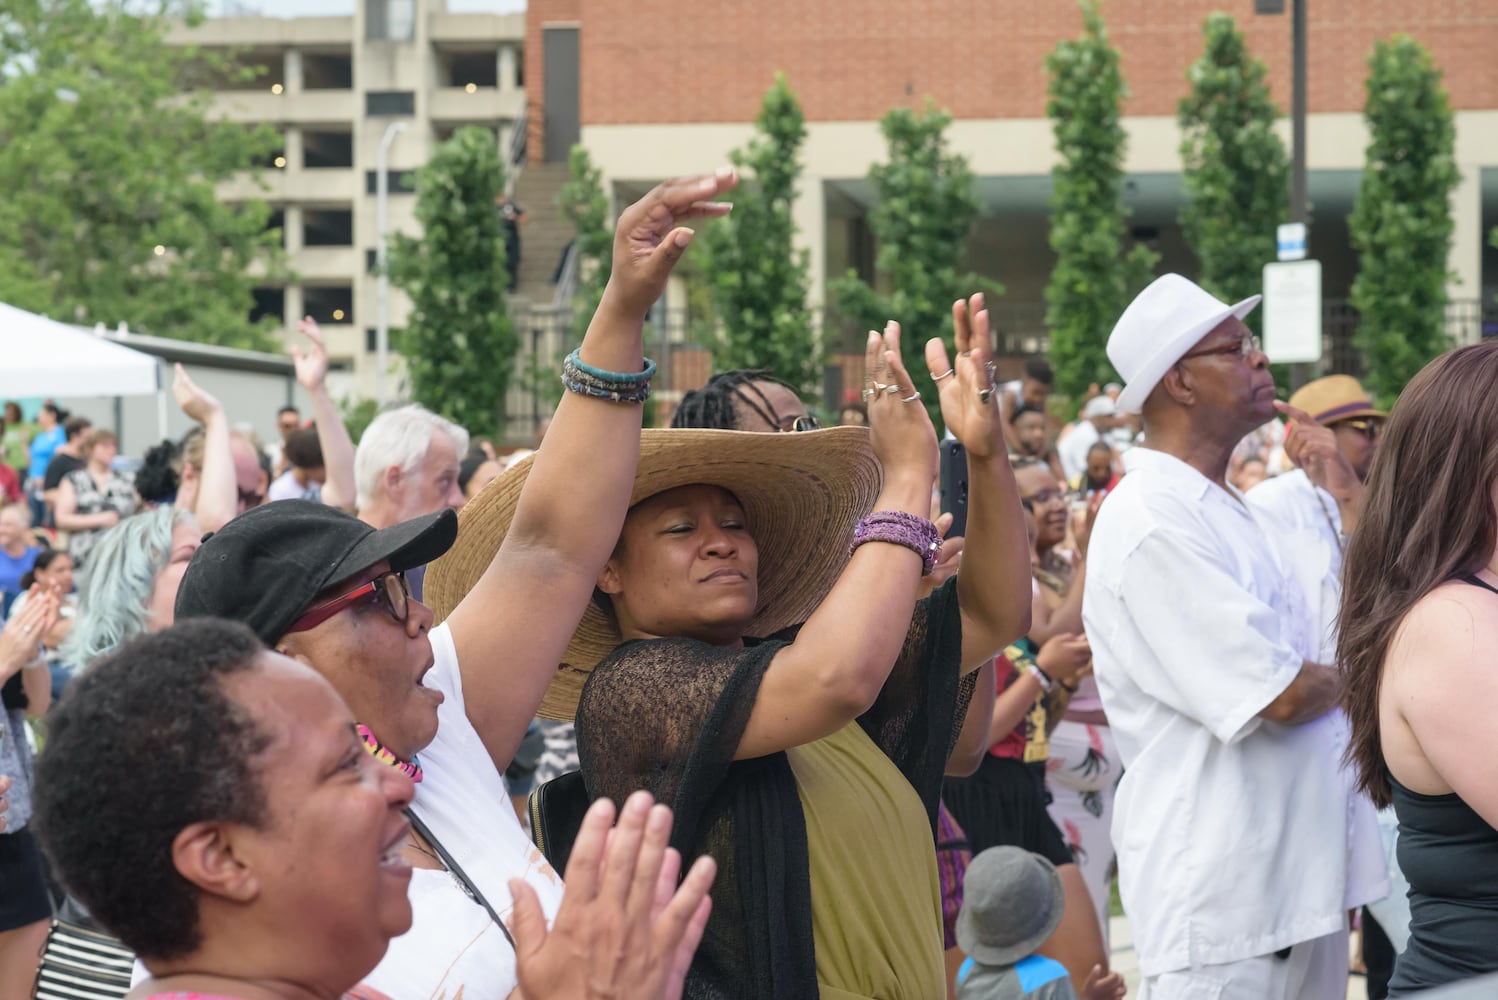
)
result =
(145, 744)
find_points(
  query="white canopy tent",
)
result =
(41, 357)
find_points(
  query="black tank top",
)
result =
(1450, 856)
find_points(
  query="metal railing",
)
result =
(515, 154)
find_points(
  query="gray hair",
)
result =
(399, 437)
(122, 569)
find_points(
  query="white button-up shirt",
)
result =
(1236, 836)
(1308, 526)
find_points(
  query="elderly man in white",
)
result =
(406, 466)
(1241, 844)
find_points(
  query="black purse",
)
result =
(556, 810)
(82, 964)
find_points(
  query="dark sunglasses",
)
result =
(1370, 429)
(392, 588)
(802, 424)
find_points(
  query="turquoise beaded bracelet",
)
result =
(575, 359)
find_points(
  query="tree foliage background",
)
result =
(585, 205)
(102, 160)
(1401, 222)
(1093, 279)
(459, 343)
(924, 210)
(1237, 170)
(756, 275)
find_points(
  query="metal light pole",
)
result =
(382, 300)
(1298, 112)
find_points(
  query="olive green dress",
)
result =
(875, 937)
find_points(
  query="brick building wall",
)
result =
(658, 62)
(537, 15)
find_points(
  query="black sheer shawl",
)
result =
(666, 715)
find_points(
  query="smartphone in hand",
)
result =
(954, 485)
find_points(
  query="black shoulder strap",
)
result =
(473, 891)
(1477, 581)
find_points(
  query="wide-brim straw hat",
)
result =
(802, 495)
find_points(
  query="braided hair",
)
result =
(712, 406)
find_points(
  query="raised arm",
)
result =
(1313, 448)
(332, 434)
(993, 586)
(513, 627)
(217, 500)
(843, 655)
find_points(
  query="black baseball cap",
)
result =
(265, 567)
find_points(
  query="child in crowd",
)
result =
(1012, 903)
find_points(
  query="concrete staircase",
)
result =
(544, 233)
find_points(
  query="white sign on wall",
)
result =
(1292, 311)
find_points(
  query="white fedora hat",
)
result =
(1162, 323)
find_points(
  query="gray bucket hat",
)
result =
(1011, 902)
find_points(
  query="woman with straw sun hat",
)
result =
(810, 760)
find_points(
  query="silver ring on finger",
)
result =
(915, 395)
(984, 395)
(868, 394)
(946, 374)
(878, 386)
(893, 390)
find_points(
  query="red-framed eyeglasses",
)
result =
(391, 586)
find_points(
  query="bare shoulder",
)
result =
(1446, 633)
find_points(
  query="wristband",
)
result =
(899, 528)
(576, 361)
(1041, 677)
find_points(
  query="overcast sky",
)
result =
(312, 8)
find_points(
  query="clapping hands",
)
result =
(624, 929)
(20, 640)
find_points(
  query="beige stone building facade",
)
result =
(334, 87)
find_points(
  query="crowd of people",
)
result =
(782, 736)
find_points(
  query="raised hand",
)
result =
(198, 404)
(965, 384)
(649, 238)
(1313, 448)
(621, 931)
(900, 429)
(311, 367)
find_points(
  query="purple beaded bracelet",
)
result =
(899, 528)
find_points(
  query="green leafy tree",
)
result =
(924, 211)
(585, 204)
(459, 344)
(756, 275)
(110, 212)
(1401, 222)
(1093, 278)
(1236, 168)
